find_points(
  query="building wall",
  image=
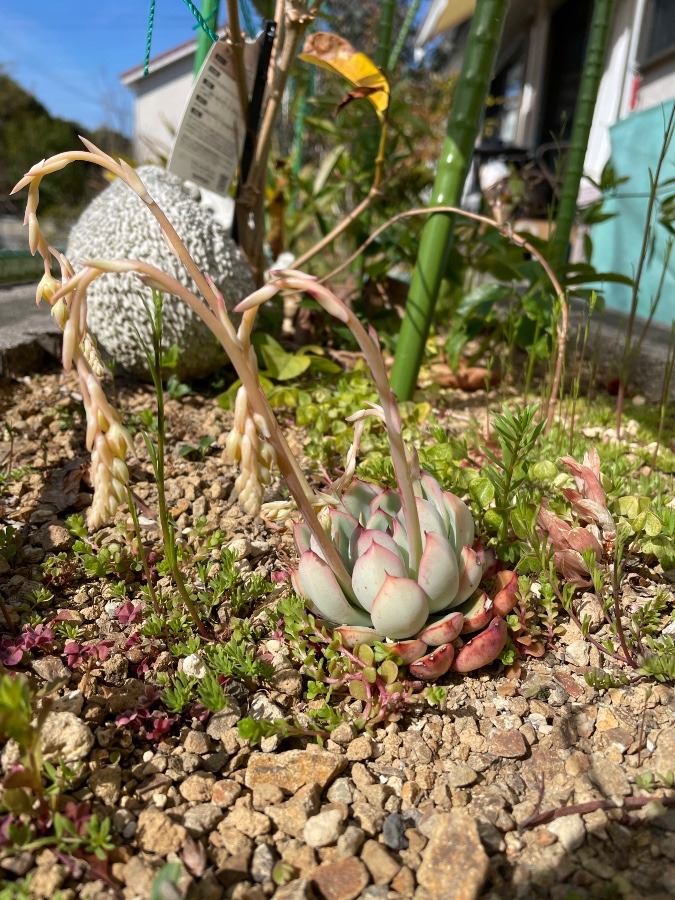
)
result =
(160, 100)
(658, 86)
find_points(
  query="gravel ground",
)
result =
(441, 804)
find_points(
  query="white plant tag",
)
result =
(210, 138)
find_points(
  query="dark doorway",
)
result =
(566, 48)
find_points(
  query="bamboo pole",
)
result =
(461, 133)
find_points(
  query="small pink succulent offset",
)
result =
(589, 502)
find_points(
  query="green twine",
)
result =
(201, 20)
(151, 23)
(148, 38)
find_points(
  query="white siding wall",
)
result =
(659, 87)
(160, 100)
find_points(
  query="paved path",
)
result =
(27, 332)
(606, 337)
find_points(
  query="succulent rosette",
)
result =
(418, 608)
(393, 565)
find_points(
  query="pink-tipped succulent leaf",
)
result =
(505, 592)
(358, 496)
(461, 521)
(409, 650)
(434, 664)
(318, 583)
(438, 573)
(477, 612)
(470, 573)
(358, 634)
(483, 649)
(443, 631)
(400, 608)
(370, 572)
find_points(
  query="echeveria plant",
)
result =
(407, 557)
(414, 607)
(394, 565)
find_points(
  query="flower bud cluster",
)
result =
(108, 441)
(247, 445)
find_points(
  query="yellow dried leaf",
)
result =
(337, 55)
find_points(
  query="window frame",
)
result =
(652, 60)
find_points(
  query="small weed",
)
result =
(198, 453)
(10, 543)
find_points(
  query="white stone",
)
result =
(64, 737)
(578, 653)
(323, 829)
(71, 702)
(194, 666)
(570, 831)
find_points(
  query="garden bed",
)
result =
(446, 797)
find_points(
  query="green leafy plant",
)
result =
(199, 452)
(517, 434)
(10, 543)
(18, 709)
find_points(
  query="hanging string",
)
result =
(151, 23)
(201, 20)
(148, 38)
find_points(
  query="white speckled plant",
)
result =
(390, 565)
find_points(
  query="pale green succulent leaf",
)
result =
(357, 634)
(379, 521)
(389, 501)
(400, 608)
(470, 573)
(319, 585)
(367, 537)
(438, 574)
(371, 570)
(357, 498)
(462, 531)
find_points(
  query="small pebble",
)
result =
(393, 832)
(350, 841)
(323, 829)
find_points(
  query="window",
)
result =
(658, 34)
(503, 103)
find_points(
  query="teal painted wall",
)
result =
(636, 144)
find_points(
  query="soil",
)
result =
(439, 803)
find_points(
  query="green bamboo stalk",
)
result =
(210, 16)
(403, 34)
(384, 34)
(462, 130)
(581, 129)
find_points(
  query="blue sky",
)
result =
(70, 53)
